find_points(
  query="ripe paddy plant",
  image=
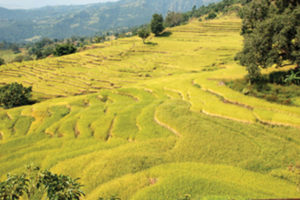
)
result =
(142, 122)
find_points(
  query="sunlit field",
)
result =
(153, 121)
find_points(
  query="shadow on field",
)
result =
(151, 43)
(165, 34)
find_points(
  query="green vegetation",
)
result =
(64, 49)
(14, 94)
(174, 19)
(283, 94)
(144, 122)
(272, 35)
(157, 24)
(144, 34)
(211, 15)
(2, 61)
(36, 184)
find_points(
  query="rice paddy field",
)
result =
(153, 121)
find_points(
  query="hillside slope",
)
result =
(66, 21)
(153, 121)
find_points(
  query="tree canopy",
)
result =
(14, 94)
(64, 49)
(144, 34)
(174, 18)
(271, 31)
(157, 24)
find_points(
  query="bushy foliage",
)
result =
(271, 33)
(144, 34)
(34, 184)
(211, 15)
(14, 94)
(18, 58)
(2, 61)
(157, 24)
(275, 87)
(64, 49)
(14, 187)
(174, 19)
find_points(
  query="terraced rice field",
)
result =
(153, 121)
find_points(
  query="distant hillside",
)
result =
(66, 21)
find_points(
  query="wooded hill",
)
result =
(66, 21)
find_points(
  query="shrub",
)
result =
(211, 15)
(14, 94)
(19, 58)
(34, 184)
(2, 62)
(64, 49)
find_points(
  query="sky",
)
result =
(26, 4)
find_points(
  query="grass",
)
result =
(282, 94)
(153, 121)
(8, 55)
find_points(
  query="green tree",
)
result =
(174, 19)
(144, 34)
(2, 61)
(211, 15)
(157, 24)
(64, 49)
(14, 94)
(271, 31)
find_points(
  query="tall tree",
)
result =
(271, 30)
(157, 24)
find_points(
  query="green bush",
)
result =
(35, 184)
(64, 49)
(2, 62)
(14, 94)
(18, 58)
(211, 15)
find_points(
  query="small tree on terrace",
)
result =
(157, 24)
(144, 34)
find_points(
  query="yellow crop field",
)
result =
(153, 121)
